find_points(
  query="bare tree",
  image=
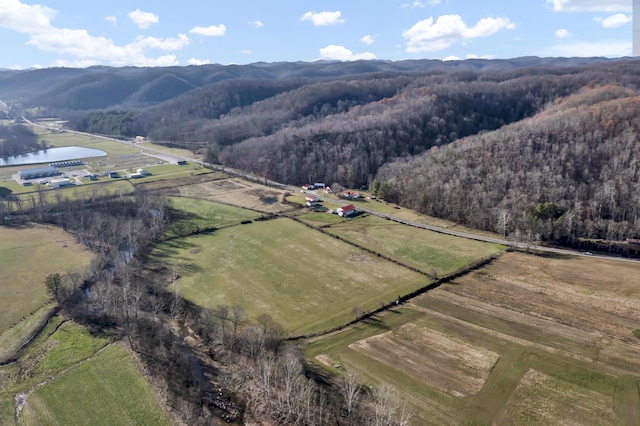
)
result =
(349, 388)
(503, 225)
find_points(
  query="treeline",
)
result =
(568, 174)
(432, 110)
(120, 123)
(258, 377)
(17, 139)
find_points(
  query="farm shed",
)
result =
(57, 183)
(38, 172)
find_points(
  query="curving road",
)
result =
(461, 234)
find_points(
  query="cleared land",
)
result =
(240, 193)
(98, 380)
(305, 280)
(420, 248)
(28, 255)
(542, 400)
(106, 389)
(193, 215)
(559, 332)
(444, 363)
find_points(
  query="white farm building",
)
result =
(39, 172)
(57, 183)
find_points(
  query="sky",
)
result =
(82, 33)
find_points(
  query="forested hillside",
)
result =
(531, 147)
(571, 171)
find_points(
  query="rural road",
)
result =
(253, 178)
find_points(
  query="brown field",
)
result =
(541, 400)
(524, 340)
(239, 193)
(447, 364)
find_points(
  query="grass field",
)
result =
(239, 193)
(419, 248)
(98, 382)
(27, 256)
(194, 214)
(106, 389)
(307, 281)
(524, 340)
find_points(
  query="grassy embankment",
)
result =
(27, 255)
(99, 381)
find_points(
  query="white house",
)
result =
(347, 210)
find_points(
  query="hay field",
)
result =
(420, 248)
(27, 256)
(99, 382)
(239, 193)
(305, 280)
(558, 330)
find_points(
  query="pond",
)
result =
(51, 155)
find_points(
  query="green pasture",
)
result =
(27, 256)
(13, 338)
(107, 389)
(168, 172)
(419, 248)
(98, 380)
(103, 186)
(305, 280)
(192, 215)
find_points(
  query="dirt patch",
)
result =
(543, 400)
(194, 251)
(444, 363)
(360, 258)
(536, 300)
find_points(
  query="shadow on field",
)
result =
(551, 255)
(5, 192)
(376, 323)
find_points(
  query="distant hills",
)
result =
(133, 88)
(523, 141)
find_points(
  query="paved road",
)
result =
(253, 178)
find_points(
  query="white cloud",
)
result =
(610, 49)
(562, 33)
(246, 52)
(25, 18)
(590, 5)
(451, 58)
(84, 49)
(210, 31)
(368, 39)
(420, 4)
(143, 20)
(614, 21)
(256, 24)
(194, 61)
(170, 43)
(75, 64)
(427, 35)
(341, 53)
(111, 19)
(323, 18)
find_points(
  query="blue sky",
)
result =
(80, 33)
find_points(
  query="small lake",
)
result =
(51, 155)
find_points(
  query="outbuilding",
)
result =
(39, 172)
(57, 183)
(347, 210)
